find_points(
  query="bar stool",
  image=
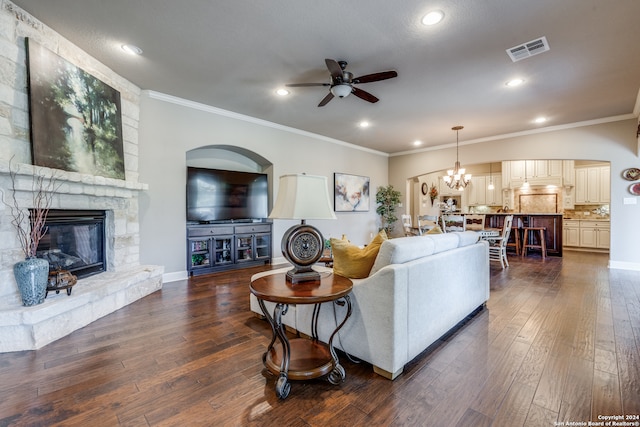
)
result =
(515, 231)
(542, 244)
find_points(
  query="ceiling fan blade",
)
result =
(375, 77)
(364, 95)
(307, 84)
(326, 99)
(334, 69)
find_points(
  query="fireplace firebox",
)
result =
(74, 241)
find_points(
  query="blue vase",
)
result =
(31, 276)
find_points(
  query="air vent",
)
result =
(528, 49)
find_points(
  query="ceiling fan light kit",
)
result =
(342, 82)
(341, 90)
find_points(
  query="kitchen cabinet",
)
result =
(477, 192)
(592, 185)
(571, 232)
(494, 197)
(568, 173)
(594, 234)
(536, 172)
(587, 234)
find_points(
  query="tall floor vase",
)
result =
(31, 276)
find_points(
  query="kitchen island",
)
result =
(551, 221)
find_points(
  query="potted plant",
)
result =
(32, 274)
(388, 200)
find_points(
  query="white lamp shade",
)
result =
(302, 197)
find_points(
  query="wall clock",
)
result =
(425, 188)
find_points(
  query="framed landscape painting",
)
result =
(76, 122)
(351, 193)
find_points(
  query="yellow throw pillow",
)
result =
(354, 262)
(435, 230)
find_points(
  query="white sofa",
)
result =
(419, 288)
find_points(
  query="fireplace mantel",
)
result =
(72, 182)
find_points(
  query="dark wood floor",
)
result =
(558, 342)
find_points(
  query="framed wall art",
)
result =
(351, 193)
(76, 122)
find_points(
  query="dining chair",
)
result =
(474, 221)
(453, 222)
(426, 223)
(407, 225)
(498, 245)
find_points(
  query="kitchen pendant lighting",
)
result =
(490, 186)
(456, 178)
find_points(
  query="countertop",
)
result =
(529, 214)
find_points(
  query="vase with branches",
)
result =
(30, 223)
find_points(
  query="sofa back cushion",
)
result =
(405, 249)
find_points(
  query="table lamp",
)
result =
(302, 197)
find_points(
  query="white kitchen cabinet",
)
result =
(476, 191)
(594, 234)
(586, 234)
(605, 184)
(592, 185)
(568, 173)
(494, 197)
(536, 172)
(571, 233)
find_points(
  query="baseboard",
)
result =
(175, 276)
(623, 265)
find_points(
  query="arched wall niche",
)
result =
(229, 157)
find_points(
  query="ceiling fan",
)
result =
(342, 82)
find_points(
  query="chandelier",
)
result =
(456, 178)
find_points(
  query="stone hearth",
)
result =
(29, 328)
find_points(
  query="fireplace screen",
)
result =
(74, 241)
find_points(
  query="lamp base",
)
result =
(299, 275)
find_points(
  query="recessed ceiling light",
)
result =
(433, 17)
(282, 92)
(514, 82)
(540, 119)
(364, 124)
(417, 143)
(131, 49)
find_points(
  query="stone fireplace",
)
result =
(121, 280)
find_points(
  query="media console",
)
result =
(218, 247)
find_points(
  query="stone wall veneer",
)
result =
(25, 328)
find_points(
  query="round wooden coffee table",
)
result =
(301, 358)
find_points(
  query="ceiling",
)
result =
(234, 55)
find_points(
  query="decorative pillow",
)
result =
(354, 262)
(435, 230)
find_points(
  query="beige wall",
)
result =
(614, 142)
(170, 127)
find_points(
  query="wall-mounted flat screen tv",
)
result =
(220, 195)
